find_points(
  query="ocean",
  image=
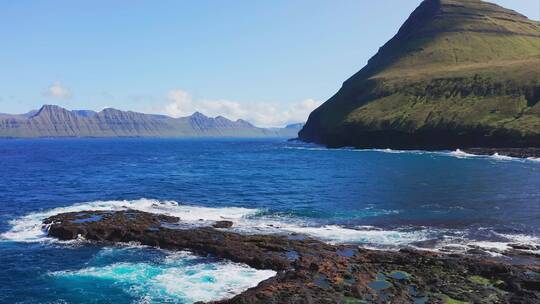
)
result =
(383, 199)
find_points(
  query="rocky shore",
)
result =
(512, 152)
(310, 271)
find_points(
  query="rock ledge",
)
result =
(310, 271)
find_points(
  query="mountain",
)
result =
(297, 126)
(25, 115)
(459, 73)
(55, 121)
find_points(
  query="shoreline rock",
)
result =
(310, 271)
(223, 224)
(511, 152)
(527, 152)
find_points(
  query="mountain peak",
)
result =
(442, 33)
(244, 123)
(198, 114)
(220, 117)
(457, 73)
(110, 110)
(49, 109)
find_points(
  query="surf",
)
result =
(170, 277)
(29, 228)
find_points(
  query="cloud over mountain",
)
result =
(58, 90)
(181, 103)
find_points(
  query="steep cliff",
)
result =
(459, 73)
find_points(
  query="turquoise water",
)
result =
(374, 198)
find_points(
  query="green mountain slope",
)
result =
(459, 73)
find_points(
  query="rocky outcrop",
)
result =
(54, 121)
(310, 271)
(223, 224)
(458, 74)
(512, 152)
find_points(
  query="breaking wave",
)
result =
(29, 228)
(496, 156)
(458, 153)
(179, 276)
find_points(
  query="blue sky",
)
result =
(270, 62)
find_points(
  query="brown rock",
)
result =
(310, 271)
(223, 224)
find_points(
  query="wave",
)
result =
(257, 221)
(496, 156)
(489, 242)
(458, 153)
(179, 276)
(318, 148)
(363, 235)
(532, 241)
(29, 228)
(392, 151)
(313, 147)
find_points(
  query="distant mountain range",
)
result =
(458, 73)
(55, 121)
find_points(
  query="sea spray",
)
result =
(177, 276)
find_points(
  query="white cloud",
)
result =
(57, 90)
(181, 103)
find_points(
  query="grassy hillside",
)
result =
(457, 74)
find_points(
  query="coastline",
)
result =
(311, 269)
(516, 152)
(510, 152)
(475, 208)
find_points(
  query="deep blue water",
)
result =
(384, 199)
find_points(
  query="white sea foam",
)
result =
(497, 156)
(329, 233)
(521, 238)
(176, 278)
(310, 148)
(530, 240)
(29, 228)
(458, 153)
(490, 245)
(338, 234)
(497, 245)
(392, 151)
(252, 221)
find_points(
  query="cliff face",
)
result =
(458, 73)
(54, 121)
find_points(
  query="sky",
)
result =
(270, 62)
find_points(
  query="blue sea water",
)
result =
(375, 198)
